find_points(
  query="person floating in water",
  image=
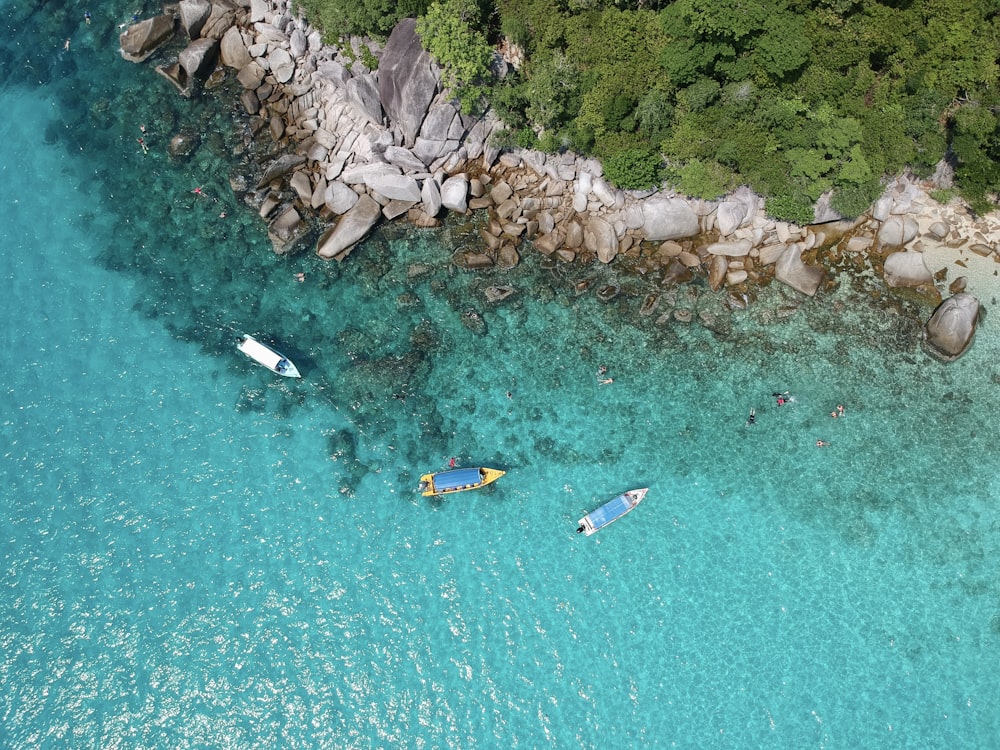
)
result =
(781, 398)
(86, 17)
(752, 419)
(821, 443)
(451, 463)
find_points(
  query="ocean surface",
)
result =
(197, 554)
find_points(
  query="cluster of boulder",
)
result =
(362, 145)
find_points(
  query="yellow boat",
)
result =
(457, 480)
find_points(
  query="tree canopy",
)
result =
(792, 97)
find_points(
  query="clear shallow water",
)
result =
(198, 555)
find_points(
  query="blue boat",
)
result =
(611, 511)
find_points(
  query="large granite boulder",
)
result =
(668, 219)
(600, 237)
(198, 58)
(906, 269)
(233, 50)
(455, 193)
(897, 231)
(193, 14)
(394, 187)
(280, 167)
(339, 198)
(792, 271)
(952, 327)
(338, 241)
(363, 91)
(281, 64)
(286, 230)
(404, 159)
(733, 249)
(430, 196)
(141, 40)
(407, 80)
(220, 20)
(735, 211)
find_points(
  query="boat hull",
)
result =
(611, 511)
(457, 480)
(268, 357)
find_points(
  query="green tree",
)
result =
(342, 18)
(449, 32)
(634, 169)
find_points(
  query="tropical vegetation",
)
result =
(795, 98)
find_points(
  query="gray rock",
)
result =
(404, 159)
(286, 230)
(823, 210)
(339, 198)
(604, 193)
(280, 167)
(407, 80)
(364, 173)
(430, 195)
(220, 20)
(250, 102)
(394, 208)
(427, 151)
(952, 328)
(600, 237)
(302, 186)
(734, 249)
(476, 139)
(251, 76)
(897, 231)
(771, 253)
(334, 72)
(717, 267)
(939, 229)
(258, 10)
(668, 219)
(394, 187)
(730, 216)
(455, 193)
(437, 124)
(281, 64)
(792, 271)
(233, 50)
(298, 44)
(906, 269)
(362, 92)
(193, 14)
(198, 58)
(178, 77)
(338, 241)
(141, 40)
(882, 207)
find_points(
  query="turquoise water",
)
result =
(196, 554)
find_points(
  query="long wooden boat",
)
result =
(457, 480)
(270, 358)
(611, 511)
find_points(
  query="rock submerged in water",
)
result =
(950, 331)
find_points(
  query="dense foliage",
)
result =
(792, 97)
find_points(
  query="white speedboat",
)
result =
(611, 511)
(270, 358)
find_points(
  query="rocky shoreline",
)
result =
(359, 146)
